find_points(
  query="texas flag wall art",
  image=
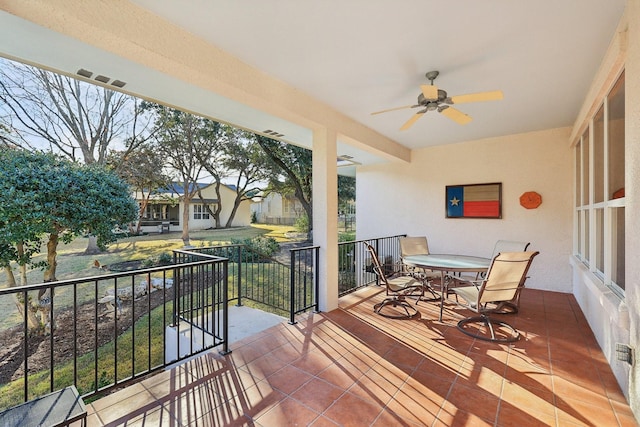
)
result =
(474, 201)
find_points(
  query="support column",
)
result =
(325, 214)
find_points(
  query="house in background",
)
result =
(276, 208)
(165, 208)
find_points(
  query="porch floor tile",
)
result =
(351, 367)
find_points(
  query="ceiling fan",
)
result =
(436, 99)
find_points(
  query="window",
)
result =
(156, 211)
(291, 206)
(200, 212)
(599, 192)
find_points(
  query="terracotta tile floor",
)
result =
(351, 367)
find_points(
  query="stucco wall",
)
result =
(632, 209)
(612, 319)
(397, 198)
(242, 217)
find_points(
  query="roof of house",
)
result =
(178, 187)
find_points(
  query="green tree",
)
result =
(143, 170)
(183, 139)
(291, 168)
(78, 120)
(44, 197)
(346, 191)
(291, 173)
(247, 162)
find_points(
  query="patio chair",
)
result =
(504, 280)
(398, 287)
(509, 307)
(508, 246)
(419, 246)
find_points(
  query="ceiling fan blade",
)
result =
(475, 97)
(456, 115)
(411, 121)
(429, 91)
(393, 109)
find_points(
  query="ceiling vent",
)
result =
(100, 78)
(84, 73)
(346, 160)
(273, 133)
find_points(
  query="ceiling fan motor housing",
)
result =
(442, 97)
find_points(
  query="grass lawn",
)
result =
(73, 263)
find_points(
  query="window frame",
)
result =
(595, 218)
(200, 212)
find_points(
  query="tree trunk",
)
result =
(143, 207)
(45, 296)
(185, 220)
(236, 205)
(11, 279)
(22, 266)
(92, 246)
(308, 208)
(215, 214)
(52, 253)
(23, 275)
(32, 320)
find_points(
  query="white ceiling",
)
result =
(361, 56)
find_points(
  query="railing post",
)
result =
(316, 278)
(26, 345)
(239, 275)
(176, 292)
(225, 308)
(51, 334)
(292, 303)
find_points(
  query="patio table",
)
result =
(447, 263)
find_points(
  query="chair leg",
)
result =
(428, 288)
(509, 307)
(395, 302)
(505, 307)
(490, 324)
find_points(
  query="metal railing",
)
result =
(106, 331)
(285, 288)
(304, 280)
(354, 262)
(141, 321)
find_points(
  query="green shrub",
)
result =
(347, 236)
(264, 247)
(302, 224)
(254, 217)
(165, 258)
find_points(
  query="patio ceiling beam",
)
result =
(131, 32)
